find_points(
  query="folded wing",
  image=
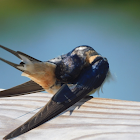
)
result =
(25, 88)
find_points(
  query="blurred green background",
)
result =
(48, 28)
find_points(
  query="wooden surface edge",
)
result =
(97, 119)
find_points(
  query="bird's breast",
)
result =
(42, 73)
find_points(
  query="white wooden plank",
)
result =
(96, 119)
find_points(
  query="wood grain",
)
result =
(95, 119)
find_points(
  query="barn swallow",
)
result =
(69, 77)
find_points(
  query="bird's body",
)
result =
(50, 74)
(69, 77)
(43, 73)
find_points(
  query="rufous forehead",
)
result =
(92, 58)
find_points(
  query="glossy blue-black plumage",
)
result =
(90, 78)
(69, 68)
(72, 63)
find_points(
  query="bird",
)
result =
(69, 77)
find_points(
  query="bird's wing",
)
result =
(90, 78)
(25, 88)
